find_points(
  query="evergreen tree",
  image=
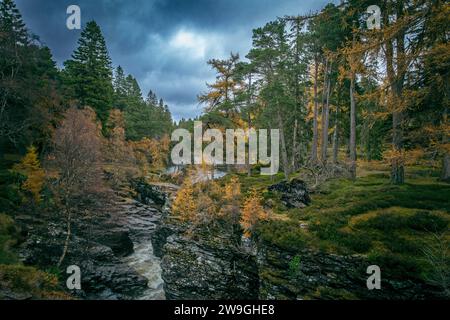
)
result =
(89, 72)
(151, 98)
(29, 97)
(12, 27)
(120, 89)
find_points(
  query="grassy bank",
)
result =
(403, 228)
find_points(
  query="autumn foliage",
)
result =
(252, 212)
(30, 167)
(204, 204)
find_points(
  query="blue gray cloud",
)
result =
(164, 43)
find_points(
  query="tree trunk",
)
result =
(294, 146)
(336, 138)
(249, 121)
(396, 78)
(283, 147)
(352, 128)
(66, 242)
(316, 114)
(325, 113)
(325, 125)
(445, 176)
(397, 168)
(249, 166)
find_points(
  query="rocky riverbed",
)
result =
(133, 248)
(111, 246)
(217, 266)
(141, 221)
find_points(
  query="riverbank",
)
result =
(319, 250)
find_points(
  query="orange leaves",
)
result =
(252, 212)
(184, 205)
(232, 190)
(203, 204)
(151, 154)
(394, 157)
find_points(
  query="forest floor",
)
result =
(402, 227)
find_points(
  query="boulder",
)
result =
(149, 194)
(294, 193)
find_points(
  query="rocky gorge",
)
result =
(134, 248)
(215, 266)
(110, 244)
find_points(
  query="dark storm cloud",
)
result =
(164, 43)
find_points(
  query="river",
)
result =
(142, 223)
(141, 220)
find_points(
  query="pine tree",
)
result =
(13, 39)
(12, 27)
(133, 90)
(120, 89)
(151, 98)
(270, 56)
(219, 97)
(89, 71)
(29, 95)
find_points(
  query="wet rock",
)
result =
(208, 266)
(97, 245)
(196, 269)
(148, 194)
(117, 239)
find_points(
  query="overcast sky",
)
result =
(163, 43)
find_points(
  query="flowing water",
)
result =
(141, 221)
(199, 175)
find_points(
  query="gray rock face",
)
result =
(321, 275)
(211, 269)
(294, 193)
(102, 245)
(149, 194)
(103, 274)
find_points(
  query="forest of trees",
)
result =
(63, 130)
(35, 93)
(339, 92)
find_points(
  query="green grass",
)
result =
(389, 224)
(22, 282)
(8, 238)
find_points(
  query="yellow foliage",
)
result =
(414, 156)
(232, 190)
(184, 205)
(394, 157)
(252, 212)
(151, 154)
(30, 167)
(24, 280)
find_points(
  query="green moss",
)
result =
(284, 234)
(8, 238)
(18, 282)
(325, 293)
(390, 224)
